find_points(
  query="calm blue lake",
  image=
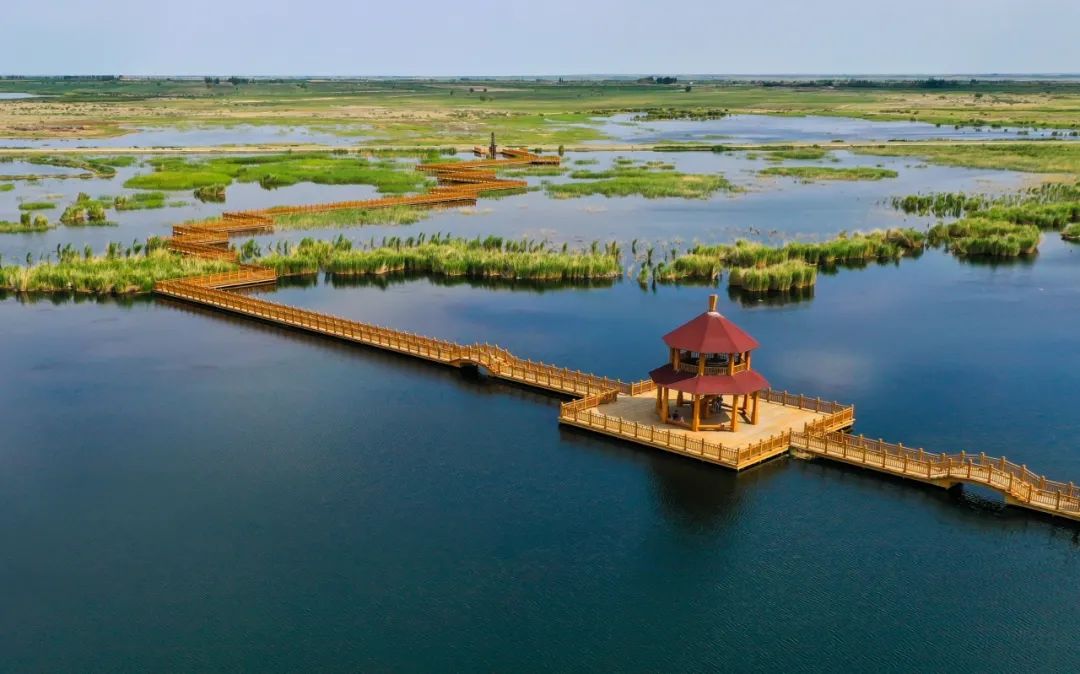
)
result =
(185, 491)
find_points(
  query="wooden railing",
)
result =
(498, 361)
(691, 367)
(1019, 485)
(802, 402)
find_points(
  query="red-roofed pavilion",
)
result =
(709, 359)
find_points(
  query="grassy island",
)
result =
(1039, 157)
(814, 173)
(979, 236)
(652, 180)
(758, 267)
(279, 170)
(492, 257)
(120, 271)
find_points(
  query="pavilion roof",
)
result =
(711, 332)
(739, 383)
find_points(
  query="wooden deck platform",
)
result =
(633, 417)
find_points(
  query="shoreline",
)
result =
(607, 147)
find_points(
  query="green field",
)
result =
(547, 112)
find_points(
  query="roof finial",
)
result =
(712, 303)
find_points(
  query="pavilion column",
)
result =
(659, 392)
(665, 412)
(734, 413)
(678, 399)
(754, 416)
(696, 423)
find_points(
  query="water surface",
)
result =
(183, 490)
(735, 129)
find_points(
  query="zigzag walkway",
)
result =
(464, 182)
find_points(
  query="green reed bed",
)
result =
(983, 237)
(448, 256)
(815, 173)
(352, 217)
(542, 170)
(941, 204)
(654, 180)
(139, 201)
(27, 224)
(707, 263)
(120, 271)
(1041, 157)
(210, 193)
(1047, 206)
(805, 153)
(278, 170)
(87, 212)
(36, 205)
(7, 187)
(782, 277)
(1072, 232)
(857, 248)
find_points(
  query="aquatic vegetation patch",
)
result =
(782, 277)
(139, 201)
(36, 205)
(278, 170)
(121, 270)
(1040, 157)
(815, 173)
(210, 193)
(1047, 206)
(490, 257)
(652, 180)
(27, 224)
(1072, 232)
(807, 153)
(352, 217)
(541, 170)
(707, 262)
(983, 237)
(7, 187)
(86, 211)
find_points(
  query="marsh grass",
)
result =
(210, 193)
(7, 187)
(120, 271)
(36, 205)
(492, 258)
(139, 201)
(652, 180)
(807, 153)
(353, 217)
(984, 237)
(787, 263)
(27, 224)
(782, 277)
(279, 170)
(1071, 233)
(815, 173)
(542, 170)
(1048, 206)
(1041, 157)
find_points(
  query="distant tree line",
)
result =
(658, 80)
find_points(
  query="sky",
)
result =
(530, 38)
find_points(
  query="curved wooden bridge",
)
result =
(464, 183)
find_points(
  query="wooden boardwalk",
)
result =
(808, 427)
